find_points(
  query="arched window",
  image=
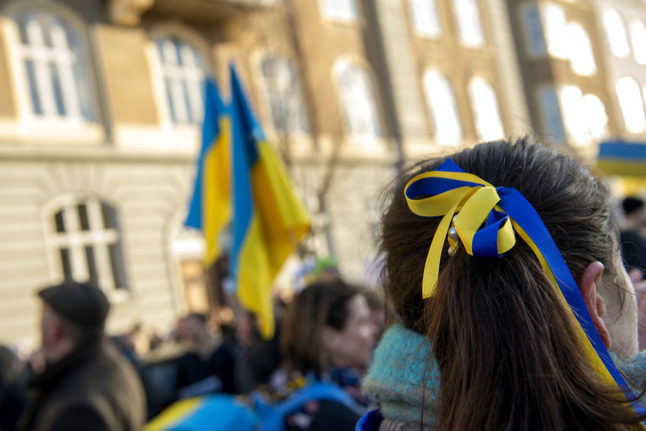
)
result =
(84, 241)
(616, 33)
(54, 59)
(585, 115)
(638, 38)
(282, 88)
(581, 55)
(424, 17)
(631, 104)
(182, 74)
(468, 22)
(441, 102)
(485, 110)
(357, 100)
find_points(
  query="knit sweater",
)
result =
(397, 381)
(405, 389)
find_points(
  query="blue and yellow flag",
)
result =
(269, 219)
(210, 209)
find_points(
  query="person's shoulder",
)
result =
(79, 416)
(334, 415)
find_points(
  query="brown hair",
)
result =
(504, 342)
(320, 304)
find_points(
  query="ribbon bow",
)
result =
(487, 221)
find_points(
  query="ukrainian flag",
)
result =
(210, 209)
(269, 219)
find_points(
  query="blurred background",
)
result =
(101, 107)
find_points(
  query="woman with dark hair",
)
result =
(497, 260)
(327, 340)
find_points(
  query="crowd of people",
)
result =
(509, 299)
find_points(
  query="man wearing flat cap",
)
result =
(86, 384)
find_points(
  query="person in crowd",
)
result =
(259, 359)
(327, 335)
(633, 244)
(86, 384)
(377, 310)
(208, 365)
(502, 265)
(13, 395)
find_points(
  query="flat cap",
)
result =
(81, 303)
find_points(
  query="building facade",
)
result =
(101, 105)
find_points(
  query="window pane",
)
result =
(439, 95)
(36, 106)
(534, 37)
(582, 57)
(283, 92)
(91, 265)
(638, 38)
(109, 217)
(632, 106)
(83, 217)
(551, 114)
(468, 21)
(60, 222)
(424, 17)
(66, 263)
(358, 101)
(486, 113)
(342, 10)
(56, 86)
(169, 99)
(616, 33)
(556, 31)
(116, 265)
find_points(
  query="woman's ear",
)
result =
(588, 288)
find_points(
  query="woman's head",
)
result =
(327, 324)
(500, 331)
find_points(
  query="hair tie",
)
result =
(487, 220)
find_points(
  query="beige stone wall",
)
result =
(127, 76)
(7, 102)
(146, 194)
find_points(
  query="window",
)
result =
(585, 115)
(616, 33)
(340, 10)
(638, 39)
(551, 114)
(55, 63)
(441, 102)
(424, 17)
(534, 38)
(485, 110)
(84, 240)
(556, 31)
(283, 94)
(182, 71)
(581, 55)
(357, 100)
(631, 104)
(468, 22)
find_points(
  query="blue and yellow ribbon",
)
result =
(487, 221)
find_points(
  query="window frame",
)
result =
(42, 129)
(480, 116)
(110, 270)
(370, 91)
(434, 117)
(296, 102)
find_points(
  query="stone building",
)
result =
(100, 112)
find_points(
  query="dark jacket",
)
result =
(93, 388)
